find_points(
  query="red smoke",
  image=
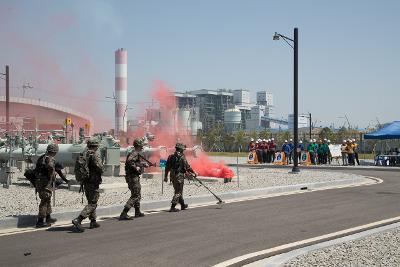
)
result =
(166, 135)
(205, 167)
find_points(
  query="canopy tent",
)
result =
(392, 131)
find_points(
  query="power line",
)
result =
(79, 97)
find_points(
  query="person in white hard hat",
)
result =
(291, 152)
(259, 151)
(350, 152)
(329, 152)
(300, 149)
(286, 150)
(252, 145)
(264, 150)
(267, 145)
(310, 150)
(316, 160)
(343, 149)
(355, 148)
(272, 150)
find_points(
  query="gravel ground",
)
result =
(20, 197)
(380, 249)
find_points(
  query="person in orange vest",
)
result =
(355, 148)
(252, 145)
(350, 152)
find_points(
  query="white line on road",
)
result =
(305, 242)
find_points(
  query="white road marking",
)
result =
(306, 241)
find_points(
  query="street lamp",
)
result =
(126, 109)
(276, 37)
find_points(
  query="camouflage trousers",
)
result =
(135, 188)
(92, 196)
(45, 202)
(178, 191)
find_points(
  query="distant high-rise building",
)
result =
(265, 98)
(212, 105)
(241, 97)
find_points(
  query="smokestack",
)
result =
(121, 90)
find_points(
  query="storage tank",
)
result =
(232, 120)
(195, 125)
(183, 117)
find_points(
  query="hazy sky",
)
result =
(349, 63)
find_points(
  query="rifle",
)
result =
(194, 177)
(147, 161)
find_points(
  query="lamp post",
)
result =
(116, 132)
(277, 36)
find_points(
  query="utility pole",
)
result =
(7, 99)
(310, 124)
(25, 86)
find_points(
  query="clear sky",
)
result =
(349, 59)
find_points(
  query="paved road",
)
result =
(207, 236)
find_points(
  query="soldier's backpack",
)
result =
(81, 168)
(30, 175)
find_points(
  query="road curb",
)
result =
(26, 221)
(281, 259)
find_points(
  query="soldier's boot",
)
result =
(183, 205)
(173, 209)
(138, 213)
(93, 224)
(124, 215)
(41, 223)
(50, 220)
(77, 222)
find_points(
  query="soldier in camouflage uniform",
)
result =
(178, 166)
(91, 186)
(133, 169)
(45, 173)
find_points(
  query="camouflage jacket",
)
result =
(95, 167)
(177, 165)
(45, 171)
(132, 164)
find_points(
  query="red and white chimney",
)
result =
(121, 90)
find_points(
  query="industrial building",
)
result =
(207, 106)
(31, 114)
(232, 107)
(303, 121)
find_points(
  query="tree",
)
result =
(265, 134)
(327, 133)
(240, 140)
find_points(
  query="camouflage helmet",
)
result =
(180, 146)
(52, 148)
(138, 142)
(92, 142)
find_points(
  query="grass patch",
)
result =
(365, 156)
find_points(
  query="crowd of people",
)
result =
(319, 151)
(349, 149)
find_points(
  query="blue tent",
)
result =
(392, 131)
